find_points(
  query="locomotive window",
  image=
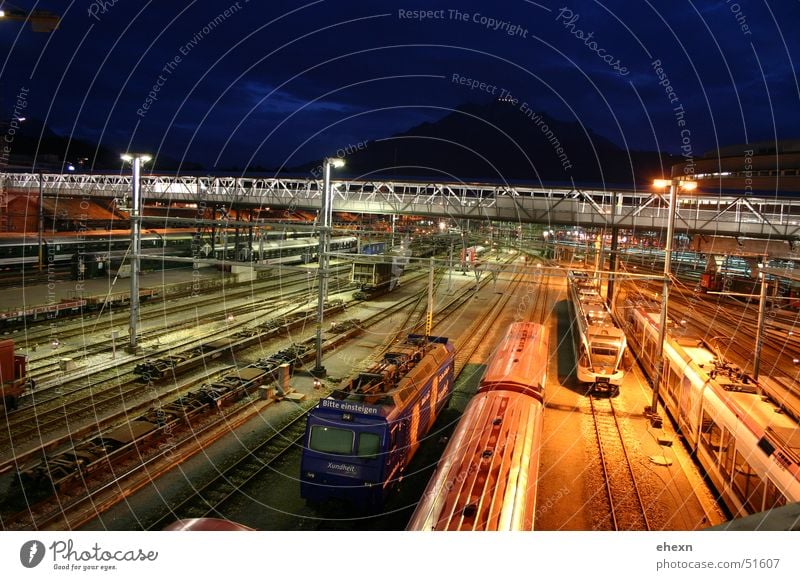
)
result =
(331, 440)
(369, 445)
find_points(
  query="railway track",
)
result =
(627, 509)
(157, 312)
(258, 462)
(31, 275)
(208, 499)
(68, 510)
(116, 392)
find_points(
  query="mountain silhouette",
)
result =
(501, 140)
(35, 146)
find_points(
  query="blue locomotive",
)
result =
(359, 441)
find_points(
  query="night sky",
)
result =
(284, 83)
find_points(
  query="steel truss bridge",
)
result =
(772, 217)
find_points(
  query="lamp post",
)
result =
(673, 184)
(762, 302)
(40, 226)
(136, 160)
(326, 219)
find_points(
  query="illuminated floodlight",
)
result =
(335, 162)
(684, 185)
(131, 156)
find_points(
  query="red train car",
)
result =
(487, 476)
(12, 375)
(206, 525)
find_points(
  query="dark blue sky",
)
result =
(288, 82)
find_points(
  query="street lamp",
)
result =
(136, 160)
(326, 219)
(674, 184)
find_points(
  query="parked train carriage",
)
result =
(748, 446)
(356, 447)
(470, 255)
(206, 525)
(377, 278)
(13, 380)
(63, 249)
(487, 476)
(293, 251)
(18, 250)
(599, 344)
(373, 248)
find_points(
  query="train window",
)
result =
(774, 497)
(726, 452)
(672, 380)
(711, 435)
(748, 485)
(369, 445)
(332, 440)
(604, 352)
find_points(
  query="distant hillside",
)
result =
(498, 140)
(53, 152)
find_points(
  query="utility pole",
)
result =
(762, 301)
(652, 411)
(326, 218)
(136, 161)
(429, 317)
(40, 228)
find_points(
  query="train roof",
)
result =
(520, 359)
(762, 415)
(486, 478)
(381, 390)
(785, 518)
(206, 525)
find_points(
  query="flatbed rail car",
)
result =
(599, 343)
(71, 306)
(13, 380)
(487, 476)
(359, 441)
(63, 469)
(172, 365)
(748, 444)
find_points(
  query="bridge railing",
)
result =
(632, 209)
